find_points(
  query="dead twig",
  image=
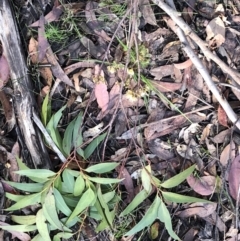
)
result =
(184, 28)
(175, 16)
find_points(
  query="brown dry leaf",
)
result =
(147, 12)
(51, 16)
(191, 233)
(215, 33)
(200, 209)
(220, 137)
(171, 50)
(205, 133)
(162, 71)
(42, 41)
(121, 123)
(227, 154)
(127, 182)
(45, 72)
(4, 71)
(162, 149)
(85, 64)
(222, 116)
(234, 178)
(184, 65)
(56, 68)
(8, 110)
(166, 126)
(101, 92)
(114, 95)
(204, 185)
(166, 86)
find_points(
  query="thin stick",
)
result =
(202, 44)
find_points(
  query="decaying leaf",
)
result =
(222, 116)
(42, 41)
(215, 32)
(147, 12)
(162, 71)
(199, 209)
(227, 154)
(203, 185)
(234, 178)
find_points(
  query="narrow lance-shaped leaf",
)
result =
(25, 220)
(164, 216)
(42, 225)
(40, 173)
(67, 142)
(178, 198)
(146, 180)
(60, 235)
(60, 203)
(147, 219)
(69, 180)
(179, 178)
(19, 228)
(87, 199)
(102, 167)
(93, 145)
(28, 187)
(102, 180)
(139, 198)
(50, 212)
(45, 110)
(26, 201)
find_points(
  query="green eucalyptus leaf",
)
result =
(40, 173)
(28, 187)
(68, 180)
(60, 235)
(102, 167)
(26, 201)
(177, 179)
(107, 197)
(46, 110)
(25, 220)
(38, 237)
(102, 180)
(104, 205)
(149, 217)
(77, 133)
(70, 200)
(79, 186)
(93, 145)
(52, 128)
(60, 203)
(14, 197)
(50, 212)
(164, 216)
(139, 198)
(146, 180)
(19, 228)
(87, 199)
(104, 223)
(42, 225)
(178, 198)
(67, 138)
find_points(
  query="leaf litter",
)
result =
(132, 80)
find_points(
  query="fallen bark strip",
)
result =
(23, 96)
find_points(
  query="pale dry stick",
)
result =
(47, 136)
(203, 71)
(175, 16)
